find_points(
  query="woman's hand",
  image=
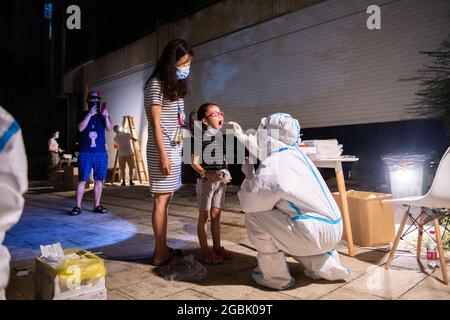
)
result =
(212, 176)
(166, 167)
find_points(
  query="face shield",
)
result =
(277, 131)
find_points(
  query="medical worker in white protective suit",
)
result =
(289, 208)
(13, 183)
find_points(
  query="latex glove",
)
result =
(248, 169)
(237, 128)
(238, 132)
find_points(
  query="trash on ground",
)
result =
(183, 269)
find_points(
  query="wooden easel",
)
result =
(128, 123)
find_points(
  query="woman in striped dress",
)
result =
(164, 105)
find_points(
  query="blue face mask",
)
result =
(183, 73)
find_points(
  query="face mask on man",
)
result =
(95, 104)
(183, 73)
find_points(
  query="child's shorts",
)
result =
(97, 161)
(210, 194)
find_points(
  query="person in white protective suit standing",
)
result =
(13, 184)
(289, 208)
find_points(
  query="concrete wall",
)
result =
(212, 22)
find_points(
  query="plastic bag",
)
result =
(183, 269)
(82, 263)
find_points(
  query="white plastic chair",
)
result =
(437, 198)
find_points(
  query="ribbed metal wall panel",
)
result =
(322, 64)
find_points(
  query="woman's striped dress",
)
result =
(153, 95)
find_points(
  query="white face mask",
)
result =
(212, 131)
(57, 136)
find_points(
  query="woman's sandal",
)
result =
(100, 209)
(176, 252)
(173, 253)
(163, 263)
(160, 264)
(225, 254)
(212, 258)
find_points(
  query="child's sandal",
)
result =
(212, 258)
(225, 254)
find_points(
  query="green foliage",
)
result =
(434, 95)
(446, 223)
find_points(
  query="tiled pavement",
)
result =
(125, 239)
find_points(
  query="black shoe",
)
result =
(123, 184)
(131, 183)
(100, 209)
(76, 211)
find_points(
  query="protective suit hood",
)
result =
(275, 132)
(282, 127)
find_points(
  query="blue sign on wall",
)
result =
(48, 11)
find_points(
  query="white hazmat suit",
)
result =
(289, 208)
(13, 184)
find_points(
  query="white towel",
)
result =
(326, 148)
(226, 176)
(321, 143)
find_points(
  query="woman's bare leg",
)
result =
(159, 222)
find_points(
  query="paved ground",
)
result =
(125, 239)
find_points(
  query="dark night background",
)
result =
(31, 66)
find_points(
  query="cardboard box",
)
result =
(372, 223)
(49, 286)
(71, 179)
(56, 178)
